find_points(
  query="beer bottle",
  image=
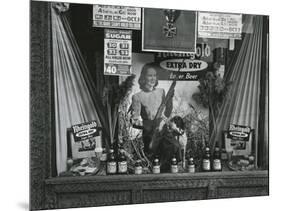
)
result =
(111, 165)
(217, 160)
(138, 167)
(191, 165)
(156, 165)
(122, 163)
(206, 162)
(174, 165)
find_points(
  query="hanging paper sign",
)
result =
(117, 52)
(116, 17)
(219, 25)
(86, 138)
(168, 30)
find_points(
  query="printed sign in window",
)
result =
(117, 52)
(116, 17)
(219, 25)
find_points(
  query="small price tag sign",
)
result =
(117, 52)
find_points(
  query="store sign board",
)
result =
(117, 52)
(116, 17)
(86, 138)
(219, 25)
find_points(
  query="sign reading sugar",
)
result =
(219, 25)
(117, 52)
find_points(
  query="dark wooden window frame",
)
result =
(49, 192)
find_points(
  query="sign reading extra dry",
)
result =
(183, 66)
(186, 65)
(116, 17)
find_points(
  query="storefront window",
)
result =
(149, 91)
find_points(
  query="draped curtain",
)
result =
(73, 99)
(242, 105)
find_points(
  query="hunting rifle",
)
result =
(153, 145)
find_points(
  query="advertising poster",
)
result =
(219, 25)
(239, 140)
(183, 104)
(86, 138)
(117, 52)
(168, 30)
(116, 17)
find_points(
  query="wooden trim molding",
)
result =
(40, 101)
(71, 192)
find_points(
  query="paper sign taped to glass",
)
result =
(109, 16)
(219, 25)
(167, 30)
(84, 139)
(117, 52)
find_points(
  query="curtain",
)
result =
(242, 105)
(72, 94)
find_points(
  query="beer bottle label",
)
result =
(191, 168)
(122, 167)
(111, 167)
(174, 168)
(156, 169)
(217, 164)
(206, 165)
(138, 170)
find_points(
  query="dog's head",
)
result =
(176, 125)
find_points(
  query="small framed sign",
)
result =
(239, 140)
(83, 140)
(169, 30)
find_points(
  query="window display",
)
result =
(149, 95)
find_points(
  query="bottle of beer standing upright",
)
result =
(138, 167)
(217, 160)
(156, 165)
(122, 162)
(174, 165)
(111, 164)
(206, 161)
(191, 165)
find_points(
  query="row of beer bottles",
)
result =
(116, 164)
(214, 163)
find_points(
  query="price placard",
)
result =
(219, 25)
(116, 17)
(117, 52)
